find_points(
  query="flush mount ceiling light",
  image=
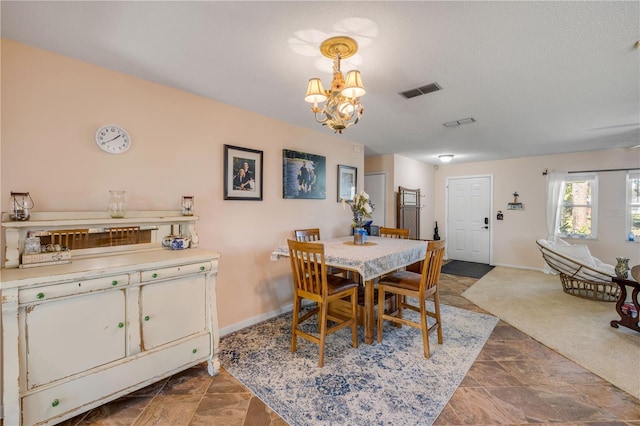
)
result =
(445, 158)
(343, 98)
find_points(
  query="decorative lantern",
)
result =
(187, 205)
(21, 203)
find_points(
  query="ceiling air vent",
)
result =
(423, 90)
(460, 122)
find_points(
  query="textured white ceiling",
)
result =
(539, 77)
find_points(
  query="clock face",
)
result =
(113, 139)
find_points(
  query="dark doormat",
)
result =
(466, 269)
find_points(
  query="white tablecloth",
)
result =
(378, 257)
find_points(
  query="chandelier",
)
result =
(343, 98)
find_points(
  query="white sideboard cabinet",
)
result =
(77, 335)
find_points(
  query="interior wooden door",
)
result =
(409, 211)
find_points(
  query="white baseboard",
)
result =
(529, 268)
(257, 319)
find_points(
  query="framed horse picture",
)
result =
(303, 175)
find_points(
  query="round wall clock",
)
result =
(113, 139)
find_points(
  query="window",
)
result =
(577, 209)
(633, 205)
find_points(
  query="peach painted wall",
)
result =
(51, 108)
(410, 173)
(514, 237)
(415, 174)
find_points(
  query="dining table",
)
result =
(376, 257)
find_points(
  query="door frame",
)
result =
(446, 210)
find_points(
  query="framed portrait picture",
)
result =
(242, 173)
(347, 182)
(303, 175)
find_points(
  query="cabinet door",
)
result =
(67, 336)
(172, 310)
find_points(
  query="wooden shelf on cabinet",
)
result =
(168, 222)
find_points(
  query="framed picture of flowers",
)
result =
(303, 175)
(347, 182)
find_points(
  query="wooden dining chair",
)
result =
(394, 233)
(124, 235)
(70, 238)
(405, 284)
(311, 282)
(400, 233)
(307, 235)
(313, 234)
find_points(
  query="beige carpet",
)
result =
(579, 329)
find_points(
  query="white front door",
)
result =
(468, 219)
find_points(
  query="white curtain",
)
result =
(555, 187)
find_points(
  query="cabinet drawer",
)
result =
(72, 398)
(39, 294)
(174, 271)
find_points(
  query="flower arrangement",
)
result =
(361, 207)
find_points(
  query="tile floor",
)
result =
(514, 381)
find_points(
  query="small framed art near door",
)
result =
(347, 182)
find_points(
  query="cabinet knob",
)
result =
(55, 403)
(154, 275)
(202, 268)
(194, 351)
(120, 324)
(40, 295)
(147, 318)
(114, 282)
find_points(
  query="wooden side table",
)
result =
(629, 318)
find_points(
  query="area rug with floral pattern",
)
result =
(381, 384)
